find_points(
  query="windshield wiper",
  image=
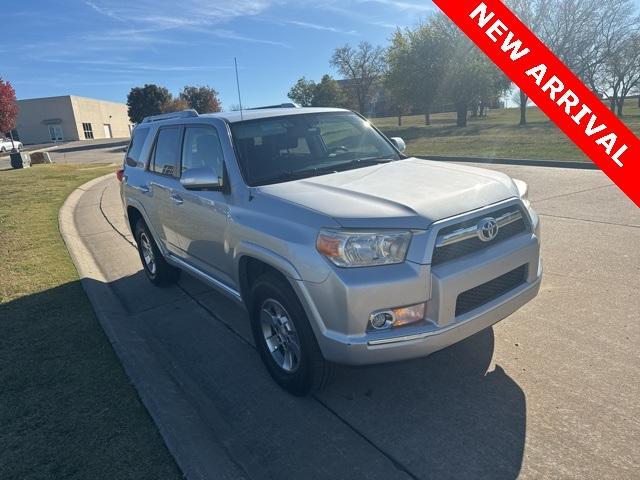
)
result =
(314, 172)
(360, 162)
(295, 175)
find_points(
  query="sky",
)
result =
(103, 48)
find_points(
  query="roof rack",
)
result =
(282, 105)
(170, 116)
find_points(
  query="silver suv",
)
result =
(342, 249)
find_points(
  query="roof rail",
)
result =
(170, 116)
(282, 105)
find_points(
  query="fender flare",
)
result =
(249, 249)
(138, 206)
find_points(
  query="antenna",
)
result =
(238, 83)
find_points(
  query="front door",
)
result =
(203, 216)
(107, 131)
(55, 133)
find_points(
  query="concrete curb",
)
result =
(80, 255)
(510, 161)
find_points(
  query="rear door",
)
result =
(164, 171)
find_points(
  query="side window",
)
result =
(135, 147)
(202, 149)
(167, 153)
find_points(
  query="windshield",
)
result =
(277, 149)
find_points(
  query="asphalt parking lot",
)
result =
(85, 152)
(551, 392)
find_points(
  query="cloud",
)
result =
(324, 28)
(119, 66)
(103, 11)
(198, 16)
(425, 6)
(187, 12)
(375, 17)
(231, 35)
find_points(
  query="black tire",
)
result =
(161, 273)
(313, 372)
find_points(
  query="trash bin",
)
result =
(20, 160)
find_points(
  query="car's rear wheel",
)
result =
(284, 337)
(158, 271)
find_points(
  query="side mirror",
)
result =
(201, 179)
(399, 143)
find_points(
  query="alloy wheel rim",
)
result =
(280, 335)
(147, 253)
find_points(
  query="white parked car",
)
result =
(7, 146)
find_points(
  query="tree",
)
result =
(429, 59)
(175, 105)
(532, 13)
(397, 80)
(586, 34)
(327, 93)
(8, 107)
(148, 100)
(470, 78)
(363, 67)
(621, 73)
(201, 99)
(303, 92)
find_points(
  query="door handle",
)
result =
(141, 188)
(177, 199)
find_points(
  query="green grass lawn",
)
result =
(496, 136)
(67, 409)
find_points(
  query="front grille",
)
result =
(478, 296)
(454, 251)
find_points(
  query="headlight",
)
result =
(523, 191)
(359, 249)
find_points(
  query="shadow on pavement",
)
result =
(440, 416)
(443, 416)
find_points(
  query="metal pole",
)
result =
(238, 84)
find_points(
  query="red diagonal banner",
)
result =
(577, 111)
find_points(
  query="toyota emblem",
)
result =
(487, 229)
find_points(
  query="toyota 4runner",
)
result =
(342, 249)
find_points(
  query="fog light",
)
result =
(397, 317)
(381, 320)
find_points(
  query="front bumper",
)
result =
(339, 308)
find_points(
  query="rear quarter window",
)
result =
(135, 148)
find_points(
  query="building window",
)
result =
(88, 131)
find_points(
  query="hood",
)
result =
(409, 193)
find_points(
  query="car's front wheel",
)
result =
(158, 271)
(284, 338)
